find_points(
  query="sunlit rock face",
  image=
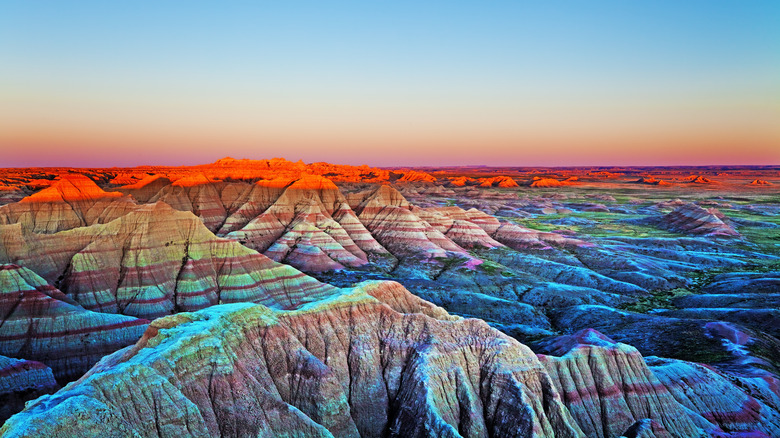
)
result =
(73, 201)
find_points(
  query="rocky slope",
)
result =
(155, 261)
(689, 218)
(40, 323)
(370, 361)
(73, 201)
(309, 225)
(21, 381)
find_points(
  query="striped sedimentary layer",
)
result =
(22, 380)
(735, 405)
(373, 361)
(72, 201)
(156, 261)
(454, 223)
(689, 218)
(41, 323)
(303, 227)
(197, 194)
(303, 221)
(389, 218)
(474, 228)
(377, 361)
(608, 387)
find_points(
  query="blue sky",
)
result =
(388, 83)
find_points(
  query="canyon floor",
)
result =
(275, 298)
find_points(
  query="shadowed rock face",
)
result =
(20, 381)
(608, 387)
(40, 323)
(735, 405)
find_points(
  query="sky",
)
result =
(558, 83)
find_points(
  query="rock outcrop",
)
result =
(416, 176)
(498, 181)
(310, 226)
(689, 218)
(73, 201)
(649, 180)
(155, 261)
(21, 381)
(547, 182)
(699, 179)
(374, 361)
(41, 323)
(608, 387)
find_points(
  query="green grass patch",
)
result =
(657, 300)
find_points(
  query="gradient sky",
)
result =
(390, 83)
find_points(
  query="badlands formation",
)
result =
(272, 298)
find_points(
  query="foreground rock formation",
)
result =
(371, 361)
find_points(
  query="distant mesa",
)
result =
(552, 182)
(463, 181)
(649, 180)
(498, 181)
(230, 169)
(415, 176)
(698, 179)
(605, 174)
